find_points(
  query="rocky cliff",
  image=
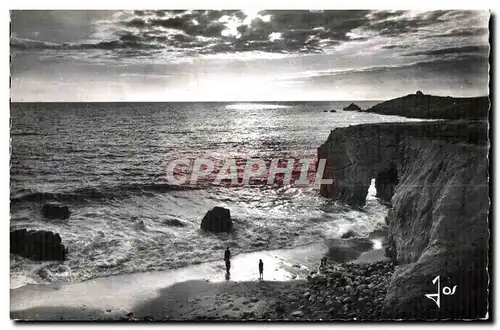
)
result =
(434, 107)
(435, 176)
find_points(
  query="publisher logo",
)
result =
(447, 291)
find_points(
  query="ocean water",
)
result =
(107, 162)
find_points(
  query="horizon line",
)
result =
(247, 101)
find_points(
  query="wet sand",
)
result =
(182, 294)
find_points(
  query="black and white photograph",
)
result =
(250, 165)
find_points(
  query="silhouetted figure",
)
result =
(227, 259)
(323, 263)
(261, 270)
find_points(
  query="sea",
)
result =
(108, 163)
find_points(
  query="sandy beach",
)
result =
(199, 291)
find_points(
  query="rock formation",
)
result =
(352, 107)
(434, 107)
(174, 223)
(55, 211)
(38, 245)
(350, 233)
(435, 174)
(386, 182)
(217, 220)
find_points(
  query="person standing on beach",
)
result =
(227, 259)
(323, 263)
(261, 270)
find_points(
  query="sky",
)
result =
(246, 55)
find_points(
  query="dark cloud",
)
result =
(298, 31)
(203, 23)
(229, 31)
(461, 14)
(460, 32)
(396, 23)
(402, 25)
(383, 15)
(125, 42)
(29, 44)
(55, 25)
(309, 28)
(442, 73)
(479, 50)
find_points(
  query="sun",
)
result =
(232, 23)
(250, 15)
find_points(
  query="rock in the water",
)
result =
(333, 110)
(217, 220)
(349, 234)
(43, 273)
(55, 211)
(38, 245)
(352, 107)
(62, 269)
(174, 223)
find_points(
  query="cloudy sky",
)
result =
(233, 55)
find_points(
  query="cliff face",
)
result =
(435, 176)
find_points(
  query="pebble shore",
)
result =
(339, 292)
(346, 291)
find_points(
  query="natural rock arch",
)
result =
(386, 182)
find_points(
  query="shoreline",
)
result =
(194, 292)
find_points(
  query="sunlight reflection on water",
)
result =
(254, 106)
